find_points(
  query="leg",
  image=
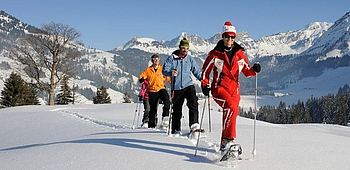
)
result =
(146, 108)
(153, 102)
(229, 104)
(177, 107)
(192, 104)
(164, 96)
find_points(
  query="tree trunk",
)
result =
(51, 96)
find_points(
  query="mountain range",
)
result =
(286, 57)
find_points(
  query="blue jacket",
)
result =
(185, 66)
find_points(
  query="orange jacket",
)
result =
(155, 78)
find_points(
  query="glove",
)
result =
(141, 80)
(140, 98)
(205, 90)
(256, 67)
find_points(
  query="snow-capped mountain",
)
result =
(282, 55)
(286, 43)
(145, 44)
(198, 46)
(10, 29)
(95, 69)
(286, 57)
(11, 26)
(335, 42)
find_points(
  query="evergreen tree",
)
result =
(344, 90)
(282, 113)
(328, 105)
(17, 92)
(65, 96)
(341, 115)
(31, 95)
(101, 96)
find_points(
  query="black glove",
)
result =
(256, 67)
(140, 98)
(205, 90)
(141, 80)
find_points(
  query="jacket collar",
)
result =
(220, 46)
(176, 55)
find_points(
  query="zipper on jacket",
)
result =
(220, 78)
(181, 71)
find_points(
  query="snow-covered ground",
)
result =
(99, 137)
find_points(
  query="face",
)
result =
(228, 40)
(155, 61)
(183, 50)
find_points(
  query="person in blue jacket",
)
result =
(180, 66)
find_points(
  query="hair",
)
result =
(154, 56)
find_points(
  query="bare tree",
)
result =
(48, 55)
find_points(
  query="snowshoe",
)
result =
(165, 123)
(231, 151)
(176, 133)
(144, 125)
(195, 130)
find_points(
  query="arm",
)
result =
(167, 66)
(195, 69)
(246, 70)
(143, 76)
(206, 69)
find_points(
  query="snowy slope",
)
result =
(99, 137)
(335, 42)
(291, 42)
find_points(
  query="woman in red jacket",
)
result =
(226, 61)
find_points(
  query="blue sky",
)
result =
(106, 24)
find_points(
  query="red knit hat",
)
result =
(229, 29)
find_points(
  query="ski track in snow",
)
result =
(94, 121)
(211, 148)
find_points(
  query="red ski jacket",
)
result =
(225, 73)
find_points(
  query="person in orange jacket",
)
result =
(157, 90)
(226, 61)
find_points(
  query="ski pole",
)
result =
(172, 105)
(138, 116)
(133, 122)
(255, 113)
(209, 112)
(200, 128)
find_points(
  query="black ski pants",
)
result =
(189, 93)
(153, 102)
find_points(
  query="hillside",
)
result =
(287, 58)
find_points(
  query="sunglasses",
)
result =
(230, 36)
(184, 48)
(155, 59)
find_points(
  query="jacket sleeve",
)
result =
(143, 74)
(195, 69)
(246, 70)
(168, 79)
(143, 90)
(167, 66)
(206, 69)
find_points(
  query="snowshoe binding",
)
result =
(231, 151)
(165, 123)
(195, 130)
